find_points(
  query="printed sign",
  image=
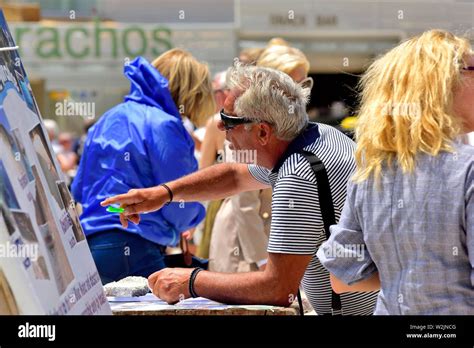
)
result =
(45, 263)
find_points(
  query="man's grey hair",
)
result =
(270, 96)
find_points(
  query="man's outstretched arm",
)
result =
(215, 182)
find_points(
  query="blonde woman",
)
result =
(139, 143)
(408, 222)
(288, 59)
(250, 55)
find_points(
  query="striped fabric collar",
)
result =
(307, 137)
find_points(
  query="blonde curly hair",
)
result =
(283, 58)
(407, 103)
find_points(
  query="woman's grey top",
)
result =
(416, 230)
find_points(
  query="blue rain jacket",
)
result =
(139, 143)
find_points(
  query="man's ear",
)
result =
(264, 134)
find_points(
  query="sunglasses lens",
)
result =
(230, 122)
(225, 121)
(228, 126)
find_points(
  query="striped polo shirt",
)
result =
(297, 225)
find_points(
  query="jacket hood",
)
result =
(149, 87)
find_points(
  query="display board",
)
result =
(45, 263)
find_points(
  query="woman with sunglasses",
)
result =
(411, 203)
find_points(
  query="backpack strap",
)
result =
(327, 211)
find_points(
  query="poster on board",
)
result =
(45, 263)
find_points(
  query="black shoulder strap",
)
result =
(327, 209)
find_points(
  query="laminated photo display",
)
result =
(45, 263)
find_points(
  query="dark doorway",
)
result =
(329, 88)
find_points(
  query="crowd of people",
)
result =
(382, 223)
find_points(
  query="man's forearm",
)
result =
(215, 182)
(367, 285)
(242, 288)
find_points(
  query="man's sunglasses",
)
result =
(230, 122)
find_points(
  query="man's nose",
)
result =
(220, 125)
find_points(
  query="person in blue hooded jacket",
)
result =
(140, 143)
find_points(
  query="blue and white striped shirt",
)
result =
(297, 225)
